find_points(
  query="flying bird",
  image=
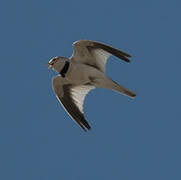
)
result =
(83, 71)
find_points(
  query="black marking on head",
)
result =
(52, 61)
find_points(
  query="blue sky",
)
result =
(130, 138)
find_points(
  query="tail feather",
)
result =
(123, 90)
(108, 83)
(127, 92)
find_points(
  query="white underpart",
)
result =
(79, 93)
(101, 57)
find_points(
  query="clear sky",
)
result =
(131, 139)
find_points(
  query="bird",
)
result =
(82, 72)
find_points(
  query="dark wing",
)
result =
(72, 99)
(95, 53)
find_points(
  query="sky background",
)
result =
(131, 139)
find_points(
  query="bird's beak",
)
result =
(49, 66)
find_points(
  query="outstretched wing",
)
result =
(72, 98)
(95, 53)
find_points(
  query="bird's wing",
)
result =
(95, 53)
(72, 98)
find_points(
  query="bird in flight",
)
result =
(83, 71)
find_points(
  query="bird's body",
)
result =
(82, 72)
(79, 73)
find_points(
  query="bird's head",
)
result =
(57, 63)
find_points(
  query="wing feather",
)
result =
(95, 53)
(72, 99)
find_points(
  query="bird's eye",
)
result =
(53, 61)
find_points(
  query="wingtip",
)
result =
(133, 95)
(128, 61)
(84, 124)
(128, 55)
(125, 59)
(89, 128)
(86, 130)
(129, 93)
